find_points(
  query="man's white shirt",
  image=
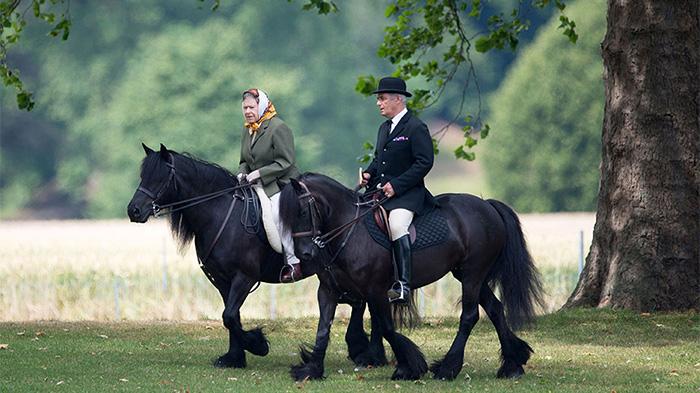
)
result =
(396, 119)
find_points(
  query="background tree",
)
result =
(646, 238)
(545, 149)
(137, 71)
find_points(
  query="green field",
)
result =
(115, 270)
(575, 351)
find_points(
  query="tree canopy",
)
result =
(548, 113)
(138, 71)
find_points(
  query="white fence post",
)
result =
(117, 311)
(164, 283)
(580, 252)
(273, 301)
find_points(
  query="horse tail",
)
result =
(515, 272)
(406, 315)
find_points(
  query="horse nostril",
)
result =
(135, 212)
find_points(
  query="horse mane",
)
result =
(206, 177)
(289, 203)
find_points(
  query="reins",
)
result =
(189, 202)
(322, 239)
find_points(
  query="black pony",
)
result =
(209, 206)
(485, 246)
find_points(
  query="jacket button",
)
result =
(382, 175)
(383, 162)
(384, 149)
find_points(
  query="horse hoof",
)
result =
(229, 361)
(302, 372)
(256, 343)
(510, 371)
(405, 374)
(369, 359)
(446, 370)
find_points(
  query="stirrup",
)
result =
(288, 267)
(399, 292)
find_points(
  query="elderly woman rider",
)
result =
(268, 159)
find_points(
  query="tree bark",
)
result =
(644, 255)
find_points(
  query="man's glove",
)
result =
(240, 177)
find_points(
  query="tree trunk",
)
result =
(644, 254)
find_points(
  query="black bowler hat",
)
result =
(391, 84)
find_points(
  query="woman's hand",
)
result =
(253, 176)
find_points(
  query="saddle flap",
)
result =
(380, 218)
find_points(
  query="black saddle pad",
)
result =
(431, 230)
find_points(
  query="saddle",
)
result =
(273, 235)
(426, 230)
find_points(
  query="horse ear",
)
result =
(147, 149)
(164, 152)
(295, 184)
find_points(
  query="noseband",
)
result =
(155, 196)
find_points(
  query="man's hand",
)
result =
(365, 179)
(388, 190)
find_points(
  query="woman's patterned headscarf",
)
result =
(266, 110)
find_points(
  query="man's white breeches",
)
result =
(399, 221)
(285, 236)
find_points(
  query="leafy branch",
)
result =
(416, 45)
(13, 20)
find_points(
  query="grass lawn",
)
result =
(575, 351)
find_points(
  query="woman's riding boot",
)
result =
(401, 250)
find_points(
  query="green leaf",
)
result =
(483, 44)
(469, 141)
(436, 151)
(485, 131)
(464, 155)
(365, 158)
(390, 10)
(367, 145)
(24, 100)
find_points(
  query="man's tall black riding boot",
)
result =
(400, 290)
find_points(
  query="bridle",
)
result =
(321, 239)
(307, 199)
(155, 196)
(159, 210)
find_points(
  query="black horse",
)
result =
(485, 246)
(208, 205)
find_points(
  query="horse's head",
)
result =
(301, 213)
(157, 183)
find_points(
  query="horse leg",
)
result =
(410, 362)
(451, 364)
(238, 338)
(367, 353)
(514, 351)
(311, 365)
(355, 336)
